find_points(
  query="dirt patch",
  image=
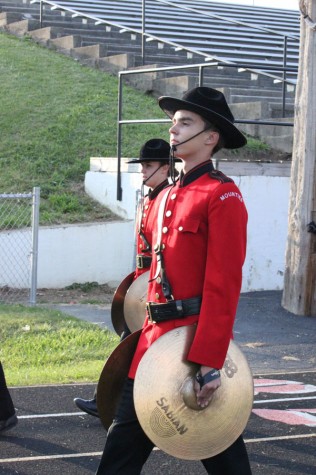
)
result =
(85, 293)
(76, 293)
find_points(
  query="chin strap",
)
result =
(171, 164)
(150, 176)
(173, 150)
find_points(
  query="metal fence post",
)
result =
(34, 252)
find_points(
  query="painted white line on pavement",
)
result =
(59, 414)
(286, 399)
(50, 457)
(97, 454)
(285, 437)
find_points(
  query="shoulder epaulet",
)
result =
(220, 176)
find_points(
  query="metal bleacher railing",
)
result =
(284, 60)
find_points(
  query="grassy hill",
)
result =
(55, 115)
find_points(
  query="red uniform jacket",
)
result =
(204, 235)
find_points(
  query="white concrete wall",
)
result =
(265, 187)
(104, 252)
(101, 185)
(266, 199)
(100, 253)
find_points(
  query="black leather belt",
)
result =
(143, 262)
(162, 312)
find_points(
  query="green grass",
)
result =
(55, 115)
(43, 346)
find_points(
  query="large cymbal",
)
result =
(112, 378)
(117, 307)
(135, 302)
(166, 405)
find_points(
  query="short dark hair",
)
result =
(221, 142)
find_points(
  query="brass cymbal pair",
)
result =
(164, 396)
(129, 303)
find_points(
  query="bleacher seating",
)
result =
(228, 32)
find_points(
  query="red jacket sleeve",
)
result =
(226, 250)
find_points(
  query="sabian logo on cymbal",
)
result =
(164, 422)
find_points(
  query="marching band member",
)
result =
(154, 161)
(199, 247)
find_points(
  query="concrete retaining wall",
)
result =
(104, 252)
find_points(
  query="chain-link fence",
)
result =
(19, 215)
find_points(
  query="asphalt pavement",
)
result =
(272, 338)
(54, 438)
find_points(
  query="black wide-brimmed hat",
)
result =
(212, 106)
(154, 150)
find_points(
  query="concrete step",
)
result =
(213, 81)
(145, 81)
(251, 97)
(21, 28)
(278, 137)
(66, 43)
(276, 109)
(43, 35)
(116, 63)
(82, 27)
(86, 52)
(175, 86)
(253, 91)
(9, 17)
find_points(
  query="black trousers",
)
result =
(6, 405)
(127, 447)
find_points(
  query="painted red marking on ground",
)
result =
(290, 416)
(279, 386)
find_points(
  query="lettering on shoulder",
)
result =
(231, 194)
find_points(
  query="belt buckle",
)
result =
(150, 317)
(139, 262)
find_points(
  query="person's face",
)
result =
(153, 173)
(186, 124)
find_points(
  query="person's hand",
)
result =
(206, 383)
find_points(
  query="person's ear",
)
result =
(212, 138)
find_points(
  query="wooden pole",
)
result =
(299, 294)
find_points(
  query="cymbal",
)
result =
(166, 405)
(112, 378)
(117, 307)
(135, 302)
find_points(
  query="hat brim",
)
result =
(233, 138)
(141, 160)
